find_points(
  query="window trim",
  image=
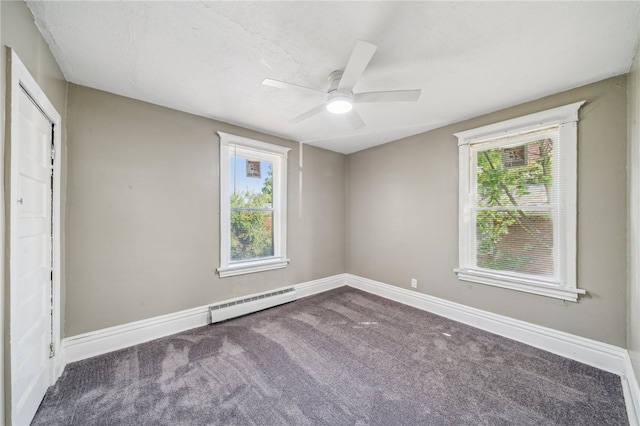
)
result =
(278, 156)
(565, 117)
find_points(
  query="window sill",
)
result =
(251, 267)
(526, 285)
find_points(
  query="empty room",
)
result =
(320, 213)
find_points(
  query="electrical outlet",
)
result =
(414, 283)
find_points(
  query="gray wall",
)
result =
(21, 34)
(633, 324)
(18, 31)
(403, 213)
(143, 213)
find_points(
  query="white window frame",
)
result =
(277, 155)
(564, 285)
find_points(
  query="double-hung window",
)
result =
(253, 205)
(517, 203)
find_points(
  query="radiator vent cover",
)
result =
(235, 308)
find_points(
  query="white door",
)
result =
(30, 252)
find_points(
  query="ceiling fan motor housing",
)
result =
(334, 80)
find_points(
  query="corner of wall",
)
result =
(347, 236)
(633, 223)
(63, 209)
(3, 67)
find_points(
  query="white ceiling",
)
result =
(209, 58)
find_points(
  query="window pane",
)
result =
(251, 183)
(251, 234)
(515, 176)
(515, 240)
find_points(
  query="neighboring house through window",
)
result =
(253, 205)
(517, 203)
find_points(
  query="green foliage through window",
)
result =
(514, 228)
(252, 222)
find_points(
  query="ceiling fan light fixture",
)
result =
(339, 103)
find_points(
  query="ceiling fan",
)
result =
(340, 97)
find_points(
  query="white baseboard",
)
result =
(631, 392)
(591, 352)
(318, 286)
(597, 354)
(87, 345)
(111, 339)
(601, 355)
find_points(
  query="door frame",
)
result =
(21, 79)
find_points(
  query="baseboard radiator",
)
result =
(238, 307)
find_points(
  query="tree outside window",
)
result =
(511, 236)
(252, 220)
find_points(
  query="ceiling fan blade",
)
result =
(390, 96)
(354, 118)
(360, 57)
(308, 114)
(283, 85)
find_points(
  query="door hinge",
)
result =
(53, 153)
(52, 352)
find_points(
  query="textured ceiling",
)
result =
(209, 58)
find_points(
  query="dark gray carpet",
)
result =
(343, 357)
